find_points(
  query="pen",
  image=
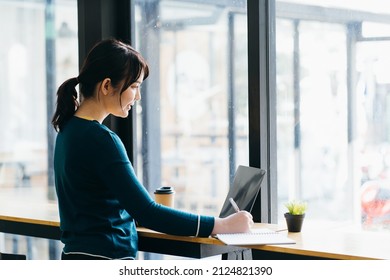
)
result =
(234, 204)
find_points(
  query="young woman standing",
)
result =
(99, 195)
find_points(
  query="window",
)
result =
(193, 120)
(39, 50)
(332, 109)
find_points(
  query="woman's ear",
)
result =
(106, 86)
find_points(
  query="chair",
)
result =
(4, 256)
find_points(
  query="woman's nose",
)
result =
(138, 95)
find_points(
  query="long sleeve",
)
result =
(117, 173)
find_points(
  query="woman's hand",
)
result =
(241, 221)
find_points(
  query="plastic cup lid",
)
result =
(164, 190)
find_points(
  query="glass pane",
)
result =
(373, 132)
(39, 50)
(332, 119)
(193, 119)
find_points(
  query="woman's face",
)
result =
(128, 98)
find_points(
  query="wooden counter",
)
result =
(29, 213)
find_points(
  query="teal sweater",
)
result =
(100, 197)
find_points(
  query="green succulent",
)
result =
(296, 207)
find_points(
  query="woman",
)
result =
(99, 195)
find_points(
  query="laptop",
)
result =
(246, 187)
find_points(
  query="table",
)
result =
(329, 241)
(149, 240)
(28, 212)
(316, 241)
(333, 244)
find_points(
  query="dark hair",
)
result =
(107, 59)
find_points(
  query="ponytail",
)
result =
(66, 103)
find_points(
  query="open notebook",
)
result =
(255, 237)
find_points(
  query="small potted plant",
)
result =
(295, 215)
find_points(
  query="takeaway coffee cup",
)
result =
(165, 195)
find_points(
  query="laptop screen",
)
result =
(246, 186)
